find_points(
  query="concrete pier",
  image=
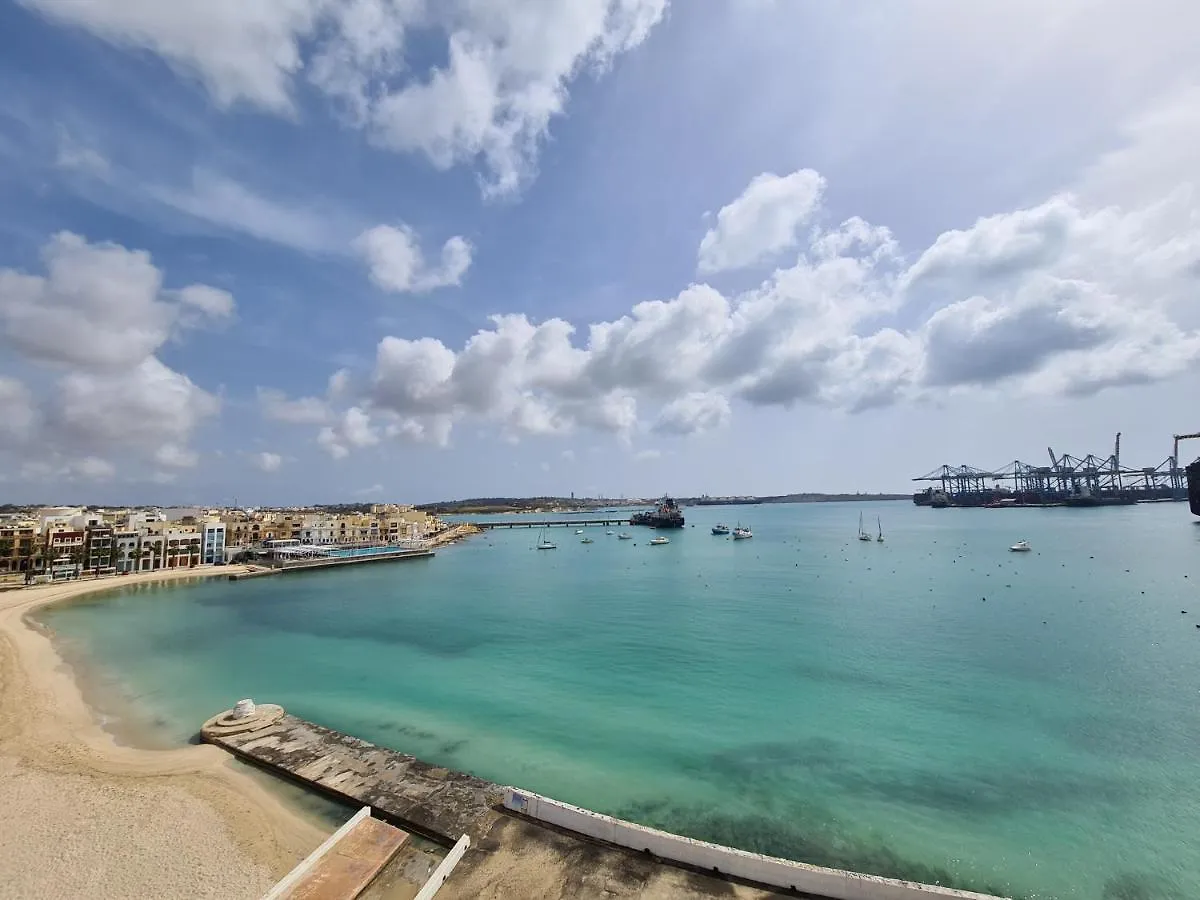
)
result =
(438, 803)
(541, 847)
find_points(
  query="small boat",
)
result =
(579, 531)
(659, 541)
(608, 532)
(880, 523)
(720, 528)
(862, 535)
(587, 541)
(544, 544)
(1020, 547)
(742, 534)
(623, 536)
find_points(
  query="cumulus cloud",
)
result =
(1068, 296)
(97, 319)
(267, 462)
(276, 406)
(507, 70)
(693, 413)
(764, 220)
(397, 264)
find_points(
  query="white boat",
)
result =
(623, 536)
(608, 532)
(862, 535)
(742, 534)
(579, 531)
(880, 523)
(659, 541)
(720, 528)
(1020, 547)
(587, 541)
(544, 544)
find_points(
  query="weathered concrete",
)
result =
(511, 855)
(441, 804)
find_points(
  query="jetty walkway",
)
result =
(551, 523)
(514, 844)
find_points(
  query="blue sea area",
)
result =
(931, 707)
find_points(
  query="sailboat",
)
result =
(862, 535)
(880, 523)
(544, 544)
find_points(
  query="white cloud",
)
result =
(693, 413)
(397, 264)
(267, 462)
(98, 317)
(647, 455)
(228, 204)
(352, 430)
(568, 456)
(208, 301)
(276, 406)
(78, 157)
(1065, 297)
(763, 221)
(509, 62)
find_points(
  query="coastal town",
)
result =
(46, 544)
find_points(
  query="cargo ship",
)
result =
(1193, 480)
(665, 515)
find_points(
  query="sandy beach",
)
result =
(87, 817)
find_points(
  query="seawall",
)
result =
(817, 881)
(444, 805)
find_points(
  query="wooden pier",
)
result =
(551, 523)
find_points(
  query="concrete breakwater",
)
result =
(444, 805)
(305, 565)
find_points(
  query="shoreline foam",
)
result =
(91, 816)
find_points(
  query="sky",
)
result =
(315, 251)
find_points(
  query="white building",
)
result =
(213, 543)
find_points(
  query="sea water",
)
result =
(932, 707)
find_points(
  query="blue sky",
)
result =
(255, 251)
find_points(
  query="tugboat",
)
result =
(665, 515)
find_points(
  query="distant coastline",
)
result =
(494, 505)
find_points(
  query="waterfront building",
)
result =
(213, 534)
(21, 547)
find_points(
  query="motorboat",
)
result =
(1020, 547)
(579, 531)
(587, 540)
(659, 541)
(742, 534)
(624, 536)
(720, 528)
(608, 532)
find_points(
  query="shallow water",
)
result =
(804, 694)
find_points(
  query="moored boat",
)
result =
(720, 528)
(659, 541)
(665, 515)
(1021, 547)
(742, 533)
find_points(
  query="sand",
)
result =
(86, 817)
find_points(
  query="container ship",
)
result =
(665, 515)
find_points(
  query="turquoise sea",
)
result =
(933, 707)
